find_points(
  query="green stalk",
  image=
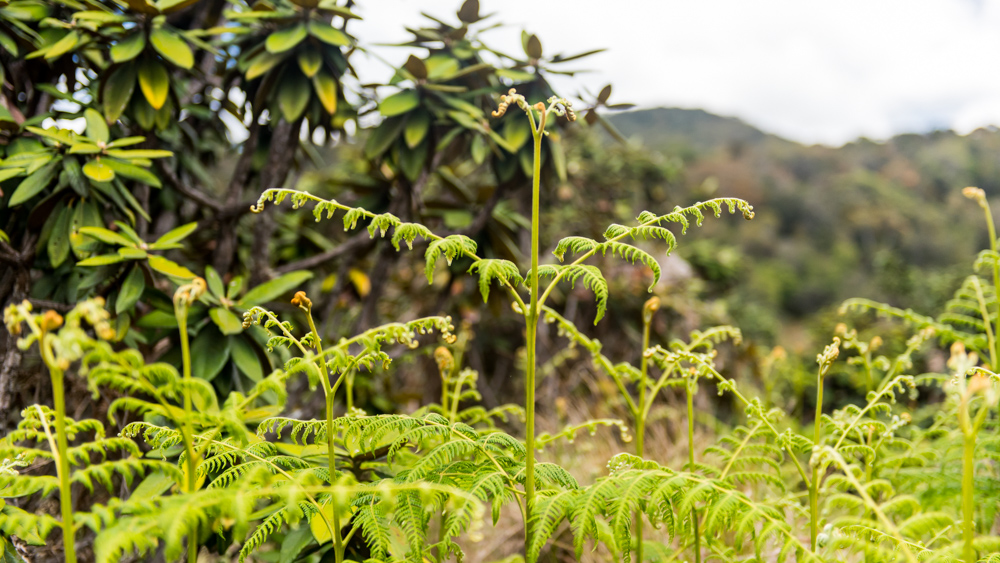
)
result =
(968, 500)
(331, 456)
(694, 513)
(180, 311)
(62, 461)
(814, 482)
(531, 331)
(640, 413)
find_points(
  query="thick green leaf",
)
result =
(326, 91)
(106, 236)
(9, 173)
(284, 39)
(172, 47)
(97, 128)
(98, 171)
(154, 81)
(8, 43)
(58, 243)
(63, 46)
(214, 280)
(416, 129)
(101, 260)
(245, 358)
(178, 234)
(33, 184)
(382, 137)
(117, 92)
(131, 253)
(139, 153)
(226, 320)
(132, 172)
(399, 103)
(275, 288)
(169, 267)
(262, 63)
(328, 34)
(209, 353)
(130, 291)
(158, 319)
(293, 96)
(516, 132)
(99, 16)
(310, 62)
(129, 48)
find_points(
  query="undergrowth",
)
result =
(909, 474)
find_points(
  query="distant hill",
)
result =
(687, 130)
(883, 220)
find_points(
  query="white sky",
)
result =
(813, 71)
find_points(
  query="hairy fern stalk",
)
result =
(189, 470)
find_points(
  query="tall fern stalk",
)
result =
(531, 323)
(329, 393)
(51, 321)
(689, 390)
(650, 307)
(825, 360)
(185, 296)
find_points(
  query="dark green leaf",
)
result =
(131, 290)
(106, 236)
(97, 128)
(329, 34)
(172, 47)
(326, 91)
(226, 320)
(178, 234)
(154, 81)
(269, 291)
(132, 172)
(33, 184)
(284, 39)
(399, 103)
(245, 358)
(214, 281)
(310, 62)
(102, 260)
(209, 353)
(169, 267)
(128, 48)
(117, 92)
(98, 171)
(293, 96)
(417, 125)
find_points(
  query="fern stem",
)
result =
(640, 415)
(329, 396)
(531, 332)
(968, 498)
(814, 482)
(62, 461)
(991, 228)
(690, 419)
(180, 312)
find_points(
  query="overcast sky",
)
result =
(813, 71)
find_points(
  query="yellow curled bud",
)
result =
(50, 321)
(445, 361)
(651, 306)
(301, 301)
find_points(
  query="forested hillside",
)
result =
(884, 220)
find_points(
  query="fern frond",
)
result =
(492, 269)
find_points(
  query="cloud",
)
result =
(817, 72)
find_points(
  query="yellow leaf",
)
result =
(360, 281)
(319, 522)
